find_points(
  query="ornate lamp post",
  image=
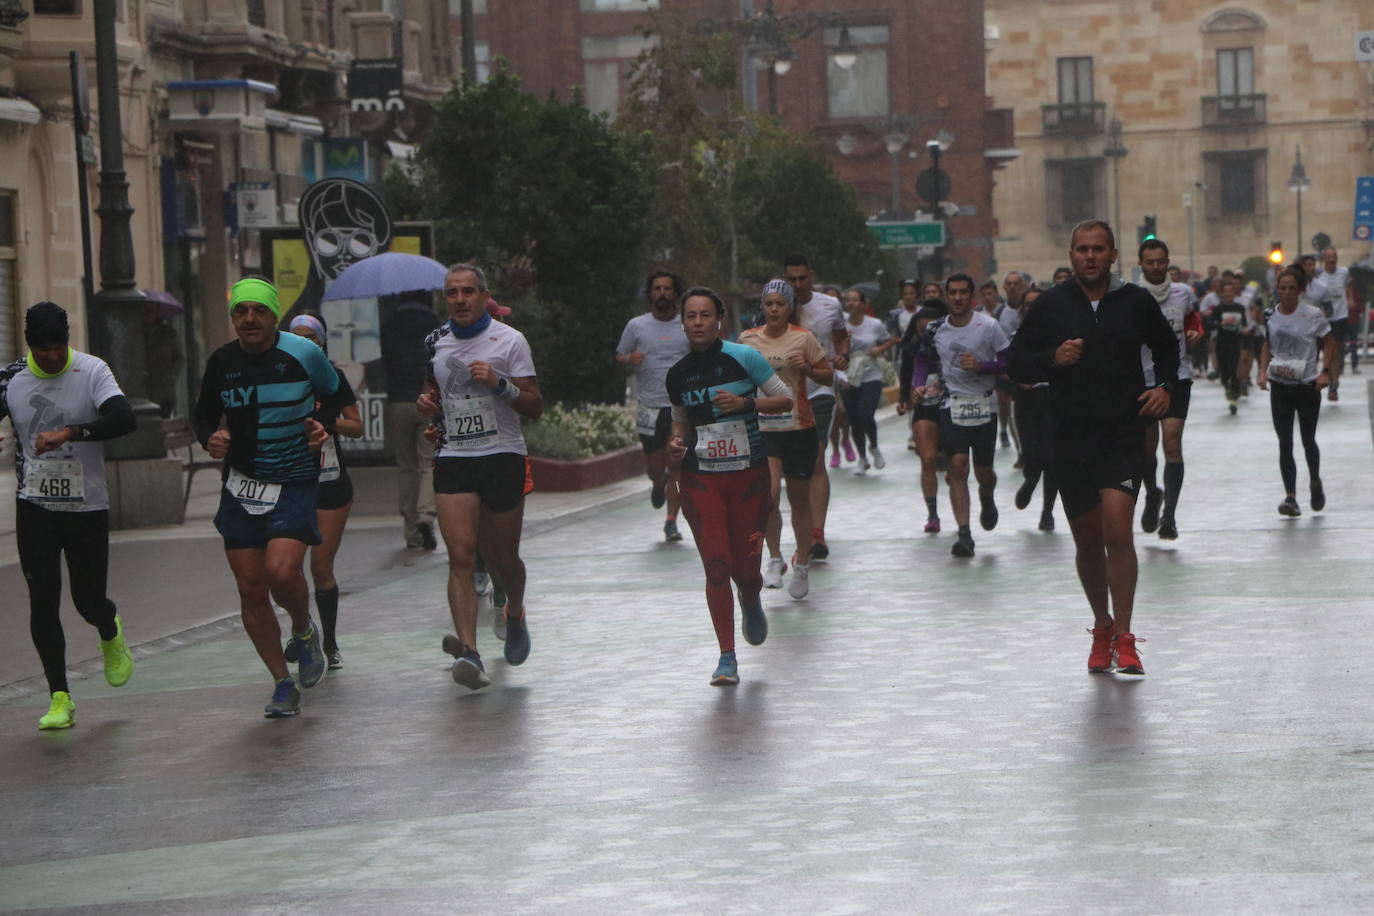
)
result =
(1297, 183)
(1116, 149)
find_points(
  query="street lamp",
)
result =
(937, 146)
(897, 130)
(1116, 148)
(1297, 183)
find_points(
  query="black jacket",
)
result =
(1104, 386)
(403, 350)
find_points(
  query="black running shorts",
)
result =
(796, 449)
(663, 428)
(1179, 400)
(959, 440)
(1089, 460)
(499, 480)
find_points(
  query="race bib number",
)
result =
(723, 446)
(55, 483)
(1288, 368)
(1230, 321)
(970, 409)
(777, 422)
(470, 421)
(257, 497)
(1174, 315)
(646, 419)
(330, 468)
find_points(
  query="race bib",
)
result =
(1174, 315)
(1288, 368)
(470, 421)
(970, 409)
(330, 468)
(55, 483)
(723, 446)
(1230, 321)
(646, 419)
(257, 497)
(777, 422)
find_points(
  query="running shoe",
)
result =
(427, 541)
(286, 700)
(1100, 658)
(932, 525)
(963, 547)
(1168, 531)
(657, 497)
(119, 664)
(670, 532)
(498, 621)
(863, 467)
(988, 516)
(727, 671)
(849, 450)
(753, 623)
(517, 640)
(310, 661)
(335, 658)
(800, 586)
(1046, 521)
(1127, 658)
(1149, 519)
(289, 650)
(1232, 407)
(1318, 500)
(1006, 440)
(467, 664)
(481, 582)
(1289, 507)
(834, 459)
(1331, 394)
(498, 594)
(819, 550)
(1024, 494)
(772, 576)
(879, 461)
(911, 445)
(61, 712)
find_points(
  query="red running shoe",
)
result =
(1100, 658)
(1127, 659)
(933, 525)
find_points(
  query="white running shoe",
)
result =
(800, 586)
(878, 461)
(863, 467)
(772, 576)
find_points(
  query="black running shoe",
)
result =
(1024, 494)
(819, 551)
(1149, 519)
(1318, 495)
(988, 516)
(427, 540)
(963, 547)
(657, 497)
(1046, 521)
(1168, 531)
(1289, 507)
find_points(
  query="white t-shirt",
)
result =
(1330, 287)
(473, 420)
(1294, 344)
(984, 338)
(825, 316)
(1209, 302)
(1176, 307)
(864, 337)
(663, 343)
(1009, 318)
(72, 478)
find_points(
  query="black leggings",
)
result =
(1228, 362)
(1306, 402)
(861, 403)
(42, 536)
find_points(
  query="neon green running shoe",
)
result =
(119, 664)
(62, 712)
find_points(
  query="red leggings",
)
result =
(728, 512)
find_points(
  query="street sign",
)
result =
(257, 203)
(1364, 209)
(933, 185)
(908, 235)
(1321, 241)
(1364, 45)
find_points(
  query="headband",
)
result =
(311, 322)
(251, 289)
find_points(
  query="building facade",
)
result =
(1189, 111)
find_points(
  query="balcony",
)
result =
(1074, 117)
(1233, 110)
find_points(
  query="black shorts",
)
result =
(293, 518)
(959, 440)
(335, 494)
(663, 428)
(1088, 460)
(925, 412)
(498, 480)
(796, 448)
(1180, 399)
(1341, 328)
(823, 412)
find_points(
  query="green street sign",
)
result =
(908, 235)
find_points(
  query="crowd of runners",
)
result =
(1087, 377)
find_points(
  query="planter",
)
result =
(552, 476)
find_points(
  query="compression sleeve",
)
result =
(116, 419)
(920, 371)
(773, 387)
(995, 366)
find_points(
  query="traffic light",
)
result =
(1276, 253)
(1146, 230)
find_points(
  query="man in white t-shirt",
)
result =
(1331, 291)
(652, 343)
(63, 404)
(826, 320)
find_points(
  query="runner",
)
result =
(335, 497)
(63, 402)
(789, 438)
(1084, 337)
(1179, 306)
(972, 350)
(1299, 350)
(898, 320)
(1331, 287)
(1228, 318)
(264, 386)
(1008, 315)
(923, 402)
(717, 443)
(840, 427)
(1035, 419)
(863, 385)
(652, 343)
(481, 382)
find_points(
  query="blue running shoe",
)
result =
(754, 624)
(311, 662)
(517, 640)
(468, 669)
(286, 700)
(727, 672)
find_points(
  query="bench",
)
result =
(177, 434)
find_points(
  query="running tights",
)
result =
(1228, 362)
(42, 536)
(1306, 402)
(728, 513)
(861, 404)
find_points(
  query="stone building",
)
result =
(1212, 101)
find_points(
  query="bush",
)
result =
(568, 433)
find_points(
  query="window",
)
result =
(57, 7)
(1236, 71)
(8, 274)
(1075, 190)
(1075, 80)
(1236, 183)
(604, 61)
(602, 6)
(860, 91)
(455, 7)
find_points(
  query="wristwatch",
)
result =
(1168, 386)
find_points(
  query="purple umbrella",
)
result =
(386, 275)
(170, 306)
